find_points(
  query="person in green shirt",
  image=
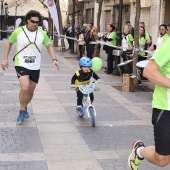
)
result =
(142, 42)
(110, 38)
(158, 71)
(147, 37)
(29, 40)
(127, 43)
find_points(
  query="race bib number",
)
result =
(30, 60)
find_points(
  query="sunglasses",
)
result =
(34, 22)
(161, 29)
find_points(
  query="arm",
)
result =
(130, 42)
(152, 48)
(151, 71)
(4, 63)
(148, 41)
(142, 43)
(52, 54)
(106, 39)
(73, 81)
(95, 76)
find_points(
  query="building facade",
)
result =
(153, 13)
(13, 9)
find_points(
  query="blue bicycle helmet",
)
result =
(85, 61)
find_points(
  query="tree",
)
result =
(136, 40)
(96, 49)
(60, 25)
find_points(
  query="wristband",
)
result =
(54, 59)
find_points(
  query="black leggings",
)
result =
(80, 97)
(81, 50)
(110, 59)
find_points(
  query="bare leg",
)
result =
(150, 155)
(26, 91)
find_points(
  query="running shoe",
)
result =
(134, 160)
(26, 115)
(79, 111)
(20, 118)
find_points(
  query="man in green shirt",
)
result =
(157, 71)
(27, 59)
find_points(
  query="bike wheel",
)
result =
(91, 111)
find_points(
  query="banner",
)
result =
(54, 14)
(18, 22)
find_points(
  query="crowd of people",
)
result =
(87, 34)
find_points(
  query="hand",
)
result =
(72, 86)
(4, 64)
(99, 81)
(132, 55)
(56, 64)
(104, 34)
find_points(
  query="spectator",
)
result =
(87, 38)
(80, 40)
(130, 27)
(127, 43)
(147, 36)
(168, 29)
(110, 38)
(161, 39)
(79, 25)
(68, 34)
(94, 34)
(142, 42)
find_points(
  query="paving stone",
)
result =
(30, 165)
(16, 140)
(106, 146)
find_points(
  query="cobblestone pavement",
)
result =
(55, 138)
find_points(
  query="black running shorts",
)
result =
(161, 123)
(33, 74)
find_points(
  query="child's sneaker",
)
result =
(26, 115)
(83, 110)
(79, 111)
(20, 118)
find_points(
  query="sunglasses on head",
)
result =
(34, 22)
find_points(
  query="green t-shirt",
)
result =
(29, 57)
(113, 36)
(142, 41)
(147, 35)
(161, 95)
(130, 39)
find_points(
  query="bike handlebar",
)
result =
(76, 86)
